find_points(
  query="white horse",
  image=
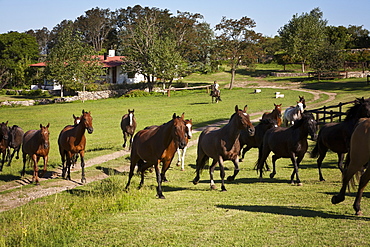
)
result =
(292, 114)
(181, 152)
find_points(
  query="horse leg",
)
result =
(211, 171)
(35, 177)
(165, 167)
(201, 160)
(45, 158)
(159, 181)
(246, 149)
(83, 178)
(2, 161)
(124, 139)
(131, 139)
(236, 170)
(24, 164)
(296, 162)
(183, 159)
(178, 157)
(11, 157)
(131, 173)
(274, 159)
(340, 161)
(363, 182)
(322, 154)
(222, 173)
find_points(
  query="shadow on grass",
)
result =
(290, 211)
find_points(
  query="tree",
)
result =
(42, 37)
(303, 35)
(359, 37)
(338, 36)
(17, 52)
(327, 59)
(237, 42)
(95, 26)
(72, 63)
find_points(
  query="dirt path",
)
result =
(23, 195)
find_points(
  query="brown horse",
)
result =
(222, 144)
(336, 136)
(36, 145)
(72, 141)
(288, 143)
(181, 152)
(128, 127)
(275, 114)
(15, 141)
(4, 136)
(359, 157)
(156, 144)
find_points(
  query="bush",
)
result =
(136, 93)
(36, 93)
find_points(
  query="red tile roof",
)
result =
(109, 62)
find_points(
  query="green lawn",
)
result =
(250, 213)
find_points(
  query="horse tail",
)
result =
(315, 151)
(201, 162)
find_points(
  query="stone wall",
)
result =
(80, 96)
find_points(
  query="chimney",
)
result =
(105, 56)
(112, 53)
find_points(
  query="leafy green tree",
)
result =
(17, 52)
(73, 63)
(327, 59)
(359, 37)
(304, 35)
(338, 36)
(237, 43)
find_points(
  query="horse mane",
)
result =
(268, 121)
(353, 111)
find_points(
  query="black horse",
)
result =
(15, 142)
(256, 140)
(288, 143)
(128, 127)
(337, 136)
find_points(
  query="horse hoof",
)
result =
(336, 200)
(299, 184)
(272, 175)
(240, 160)
(359, 213)
(213, 187)
(182, 169)
(161, 197)
(230, 178)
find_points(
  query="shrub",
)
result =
(136, 93)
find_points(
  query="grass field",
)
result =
(250, 213)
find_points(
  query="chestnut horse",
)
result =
(36, 145)
(337, 136)
(15, 141)
(288, 143)
(222, 144)
(4, 136)
(128, 127)
(156, 144)
(275, 114)
(359, 158)
(181, 152)
(72, 141)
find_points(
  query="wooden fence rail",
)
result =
(186, 88)
(327, 114)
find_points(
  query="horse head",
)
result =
(311, 125)
(76, 120)
(44, 133)
(302, 100)
(278, 109)
(179, 130)
(244, 121)
(189, 128)
(300, 107)
(131, 116)
(4, 131)
(86, 120)
(360, 109)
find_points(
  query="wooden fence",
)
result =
(186, 88)
(326, 114)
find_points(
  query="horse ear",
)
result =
(245, 108)
(47, 126)
(183, 116)
(40, 126)
(174, 116)
(74, 116)
(83, 111)
(236, 108)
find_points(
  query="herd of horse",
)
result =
(285, 135)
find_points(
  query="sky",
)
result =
(269, 15)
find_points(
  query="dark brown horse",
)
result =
(154, 145)
(222, 144)
(275, 114)
(72, 141)
(336, 136)
(255, 141)
(15, 142)
(36, 145)
(4, 138)
(288, 143)
(359, 158)
(128, 127)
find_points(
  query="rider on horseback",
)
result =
(215, 91)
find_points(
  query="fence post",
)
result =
(331, 116)
(340, 111)
(168, 93)
(324, 114)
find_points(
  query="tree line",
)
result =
(159, 44)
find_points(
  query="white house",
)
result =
(115, 73)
